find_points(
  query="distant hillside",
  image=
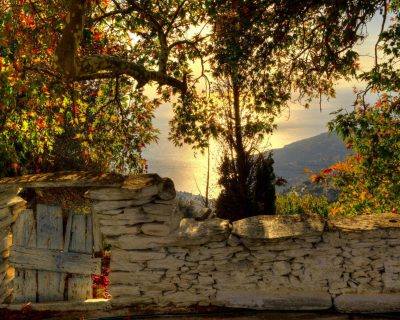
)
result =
(314, 153)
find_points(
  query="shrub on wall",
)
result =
(369, 181)
(293, 203)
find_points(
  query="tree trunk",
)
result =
(239, 147)
(208, 174)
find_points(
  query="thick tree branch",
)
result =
(158, 28)
(70, 39)
(104, 66)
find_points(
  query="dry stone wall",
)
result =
(161, 258)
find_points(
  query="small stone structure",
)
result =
(160, 258)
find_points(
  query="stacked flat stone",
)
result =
(263, 262)
(10, 206)
(131, 218)
(160, 258)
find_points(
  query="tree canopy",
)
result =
(278, 51)
(74, 103)
(73, 73)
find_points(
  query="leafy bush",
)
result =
(293, 203)
(369, 181)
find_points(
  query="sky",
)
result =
(188, 169)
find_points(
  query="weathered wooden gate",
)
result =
(53, 262)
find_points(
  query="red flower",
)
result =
(100, 280)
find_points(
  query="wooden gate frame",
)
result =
(43, 256)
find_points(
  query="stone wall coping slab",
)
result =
(368, 303)
(80, 179)
(274, 227)
(364, 222)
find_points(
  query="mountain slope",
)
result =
(314, 153)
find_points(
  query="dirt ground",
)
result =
(231, 315)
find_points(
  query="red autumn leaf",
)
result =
(74, 109)
(50, 51)
(40, 123)
(59, 118)
(97, 36)
(27, 21)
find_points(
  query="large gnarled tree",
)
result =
(73, 74)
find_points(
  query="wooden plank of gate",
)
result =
(89, 234)
(78, 234)
(67, 239)
(68, 232)
(55, 261)
(96, 231)
(80, 286)
(49, 236)
(24, 234)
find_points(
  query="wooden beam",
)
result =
(49, 224)
(80, 286)
(54, 260)
(24, 234)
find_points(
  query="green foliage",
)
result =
(293, 203)
(369, 182)
(385, 75)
